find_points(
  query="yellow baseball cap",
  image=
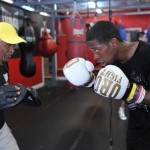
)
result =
(8, 34)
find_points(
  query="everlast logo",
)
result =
(78, 32)
(108, 83)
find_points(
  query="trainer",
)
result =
(11, 95)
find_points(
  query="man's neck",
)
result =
(127, 50)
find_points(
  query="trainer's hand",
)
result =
(78, 71)
(11, 95)
(111, 82)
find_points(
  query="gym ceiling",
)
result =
(60, 8)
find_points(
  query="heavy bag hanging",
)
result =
(47, 45)
(27, 63)
(76, 46)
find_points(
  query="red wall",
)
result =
(129, 21)
(17, 77)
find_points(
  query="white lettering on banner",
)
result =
(10, 17)
(78, 32)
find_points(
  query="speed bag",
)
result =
(47, 45)
(27, 63)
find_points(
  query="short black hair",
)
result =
(103, 31)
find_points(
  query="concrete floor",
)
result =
(67, 120)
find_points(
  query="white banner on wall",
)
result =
(11, 18)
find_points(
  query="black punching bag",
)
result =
(27, 64)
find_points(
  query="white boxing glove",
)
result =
(111, 82)
(78, 71)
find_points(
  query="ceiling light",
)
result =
(8, 1)
(44, 14)
(55, 6)
(99, 4)
(67, 12)
(91, 4)
(99, 11)
(27, 8)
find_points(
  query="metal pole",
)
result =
(53, 58)
(110, 101)
(110, 125)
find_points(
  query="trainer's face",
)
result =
(103, 53)
(6, 50)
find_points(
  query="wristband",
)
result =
(135, 94)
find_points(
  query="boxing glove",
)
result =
(78, 72)
(111, 82)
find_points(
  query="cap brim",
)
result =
(13, 40)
